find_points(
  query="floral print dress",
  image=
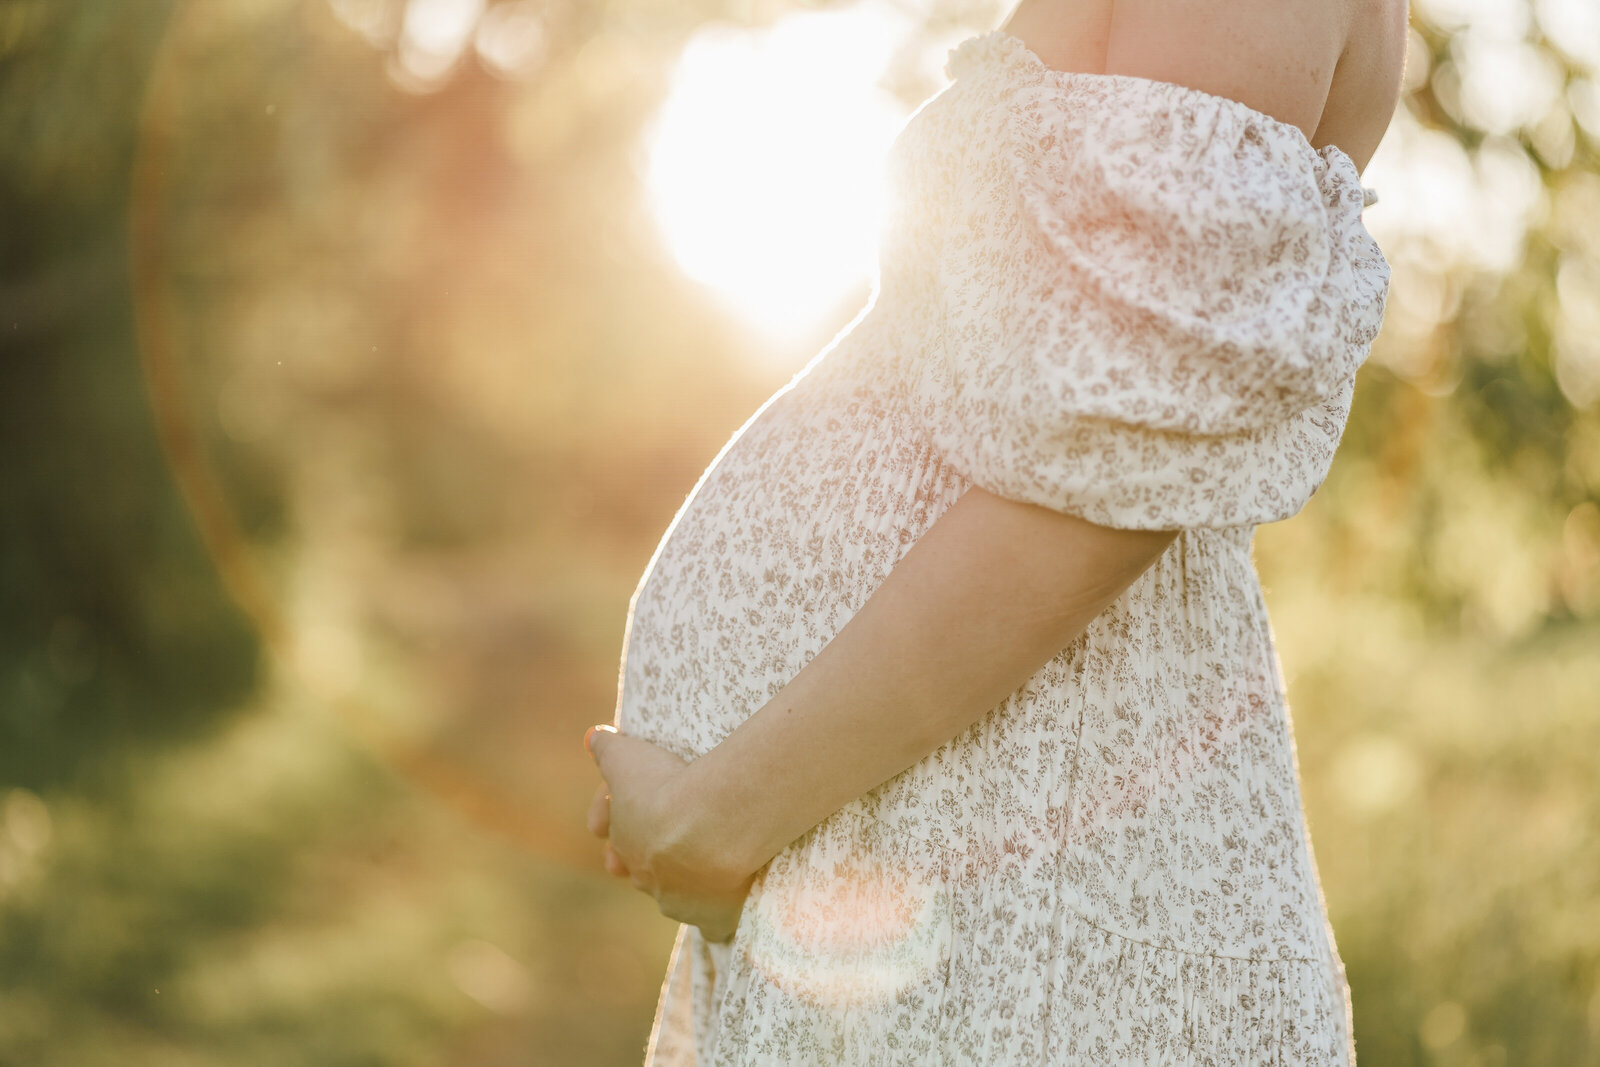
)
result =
(1125, 300)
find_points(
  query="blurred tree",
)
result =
(113, 629)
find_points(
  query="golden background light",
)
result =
(443, 305)
(764, 166)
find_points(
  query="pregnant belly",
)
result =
(1145, 757)
(799, 520)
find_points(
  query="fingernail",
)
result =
(588, 736)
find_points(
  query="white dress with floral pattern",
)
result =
(1126, 300)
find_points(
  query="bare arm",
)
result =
(987, 596)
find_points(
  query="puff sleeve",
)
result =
(1154, 304)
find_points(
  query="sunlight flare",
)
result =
(765, 163)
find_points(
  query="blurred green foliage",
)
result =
(114, 632)
(454, 391)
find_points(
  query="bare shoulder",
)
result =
(1277, 56)
(1329, 67)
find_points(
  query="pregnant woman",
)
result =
(950, 720)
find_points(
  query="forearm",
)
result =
(984, 599)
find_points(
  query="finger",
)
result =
(600, 812)
(614, 864)
(595, 738)
(631, 759)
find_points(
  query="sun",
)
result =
(765, 163)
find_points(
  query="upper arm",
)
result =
(1366, 87)
(1070, 562)
(1277, 56)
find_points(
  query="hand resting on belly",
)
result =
(985, 598)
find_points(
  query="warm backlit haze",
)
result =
(441, 306)
(765, 165)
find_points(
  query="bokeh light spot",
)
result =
(489, 975)
(1443, 1025)
(864, 934)
(1376, 773)
(511, 38)
(432, 36)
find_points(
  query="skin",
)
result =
(1328, 67)
(995, 588)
